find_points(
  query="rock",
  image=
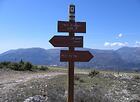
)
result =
(135, 100)
(37, 98)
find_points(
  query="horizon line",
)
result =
(66, 48)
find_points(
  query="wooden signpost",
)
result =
(75, 56)
(71, 41)
(75, 27)
(67, 41)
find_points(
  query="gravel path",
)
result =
(9, 79)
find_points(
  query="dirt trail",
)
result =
(9, 79)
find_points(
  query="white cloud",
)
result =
(137, 44)
(120, 35)
(106, 44)
(115, 44)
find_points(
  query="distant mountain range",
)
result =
(125, 58)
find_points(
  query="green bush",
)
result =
(28, 66)
(136, 77)
(14, 66)
(76, 77)
(93, 73)
(22, 66)
(42, 68)
(18, 66)
(4, 64)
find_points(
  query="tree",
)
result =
(28, 66)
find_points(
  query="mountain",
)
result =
(37, 56)
(125, 58)
(130, 54)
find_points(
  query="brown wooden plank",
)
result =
(76, 27)
(67, 41)
(76, 56)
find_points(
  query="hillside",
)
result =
(126, 58)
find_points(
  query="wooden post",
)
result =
(71, 63)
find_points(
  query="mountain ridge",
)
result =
(104, 59)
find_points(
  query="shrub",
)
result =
(76, 77)
(96, 94)
(93, 73)
(136, 77)
(81, 81)
(22, 66)
(135, 100)
(28, 66)
(43, 68)
(21, 62)
(14, 66)
(5, 64)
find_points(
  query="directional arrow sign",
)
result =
(75, 27)
(67, 41)
(77, 56)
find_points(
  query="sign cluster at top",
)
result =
(71, 41)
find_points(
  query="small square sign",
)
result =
(72, 9)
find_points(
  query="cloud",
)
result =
(137, 44)
(115, 44)
(119, 35)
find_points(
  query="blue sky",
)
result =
(111, 24)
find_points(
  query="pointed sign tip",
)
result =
(50, 40)
(90, 55)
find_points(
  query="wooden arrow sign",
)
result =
(67, 41)
(75, 27)
(77, 56)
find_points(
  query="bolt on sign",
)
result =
(71, 42)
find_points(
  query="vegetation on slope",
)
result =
(21, 66)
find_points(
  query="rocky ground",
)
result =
(15, 86)
(30, 86)
(104, 87)
(125, 89)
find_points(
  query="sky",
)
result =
(110, 24)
